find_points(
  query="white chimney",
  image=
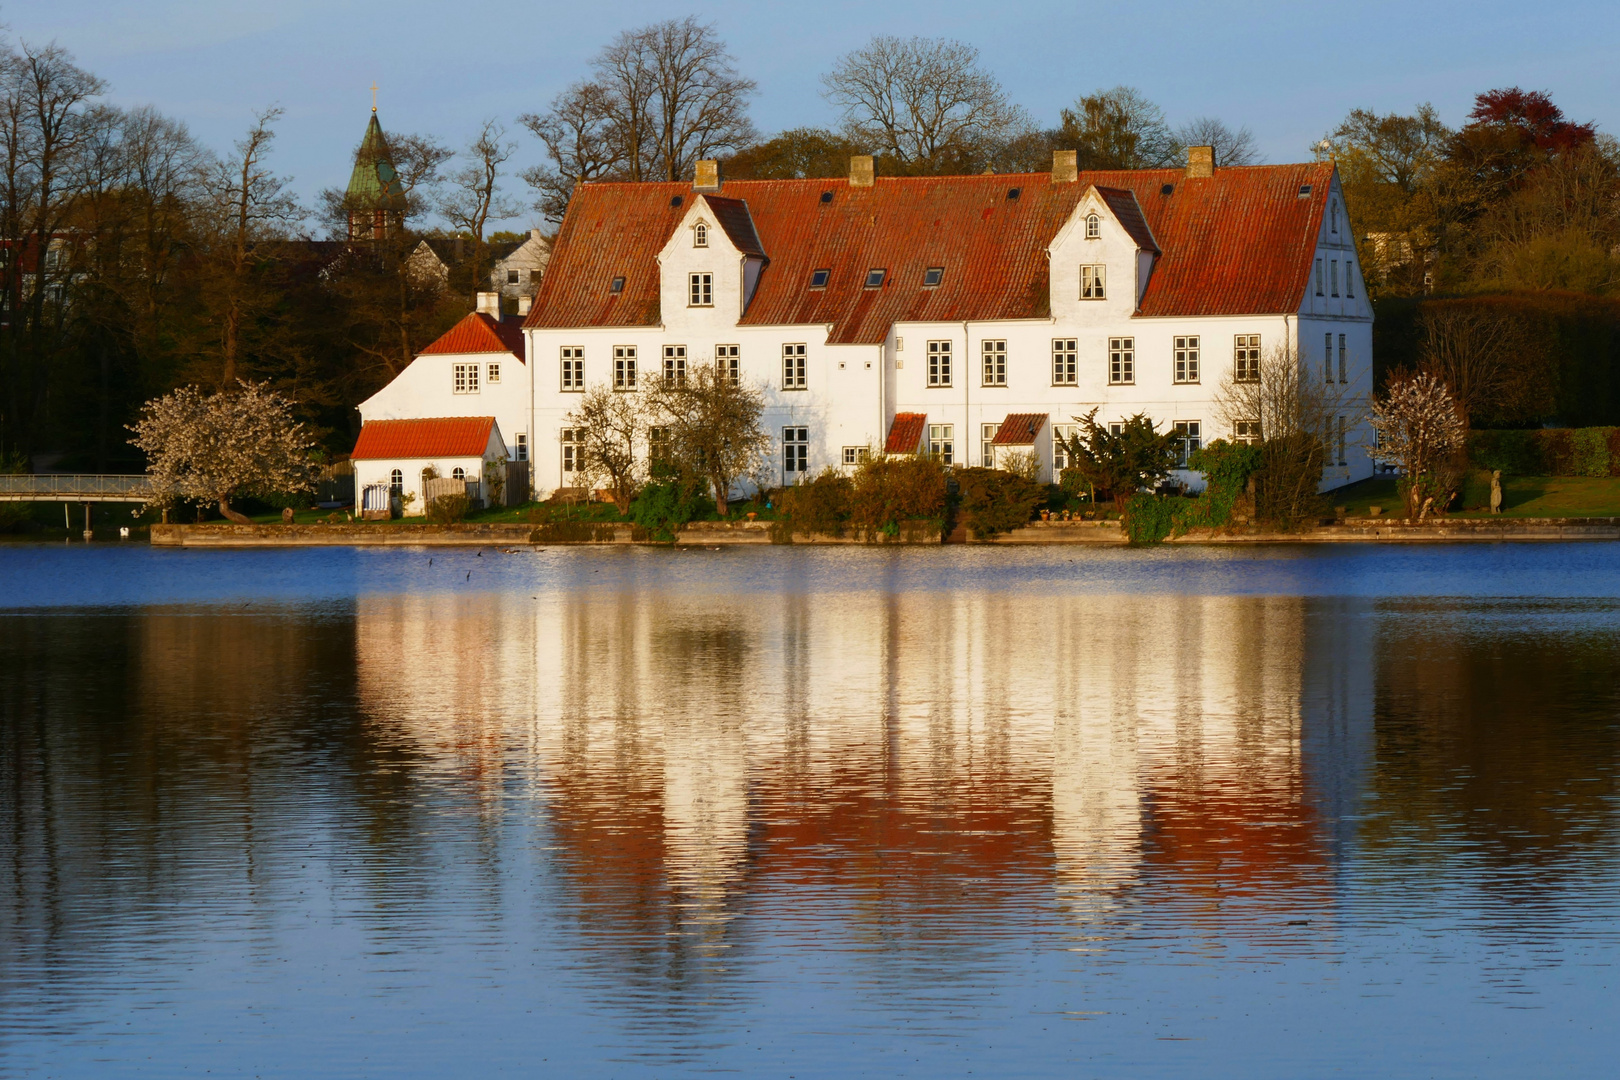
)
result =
(489, 303)
(524, 303)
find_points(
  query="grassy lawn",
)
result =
(1523, 496)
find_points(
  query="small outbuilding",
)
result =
(1019, 434)
(394, 459)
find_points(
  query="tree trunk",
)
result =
(721, 490)
(232, 515)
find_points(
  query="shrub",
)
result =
(1514, 452)
(1557, 451)
(818, 505)
(992, 501)
(1227, 468)
(1150, 518)
(1591, 450)
(447, 509)
(662, 508)
(890, 491)
(1286, 482)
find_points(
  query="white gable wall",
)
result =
(426, 388)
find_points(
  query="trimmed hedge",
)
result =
(1593, 451)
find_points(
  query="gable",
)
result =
(1239, 242)
(479, 333)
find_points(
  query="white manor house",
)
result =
(932, 314)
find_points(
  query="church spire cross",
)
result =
(374, 95)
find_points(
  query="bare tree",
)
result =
(923, 100)
(1420, 428)
(475, 196)
(711, 427)
(1488, 358)
(1231, 147)
(608, 430)
(660, 98)
(248, 204)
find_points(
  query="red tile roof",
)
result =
(906, 433)
(1129, 212)
(479, 333)
(455, 436)
(1020, 429)
(733, 216)
(1239, 242)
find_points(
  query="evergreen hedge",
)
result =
(1592, 451)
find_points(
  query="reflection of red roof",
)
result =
(1239, 242)
(1020, 429)
(905, 433)
(479, 333)
(455, 436)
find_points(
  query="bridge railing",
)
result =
(89, 486)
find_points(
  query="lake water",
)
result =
(786, 812)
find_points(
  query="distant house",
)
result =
(396, 458)
(516, 274)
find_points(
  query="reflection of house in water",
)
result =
(949, 751)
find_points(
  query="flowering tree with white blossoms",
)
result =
(1419, 428)
(215, 447)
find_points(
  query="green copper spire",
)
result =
(375, 181)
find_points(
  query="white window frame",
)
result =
(1246, 358)
(1065, 361)
(1246, 431)
(793, 366)
(1060, 456)
(857, 455)
(1093, 226)
(729, 357)
(458, 473)
(396, 482)
(520, 451)
(994, 353)
(795, 452)
(569, 458)
(464, 379)
(624, 367)
(675, 364)
(1121, 361)
(571, 365)
(987, 444)
(511, 277)
(942, 442)
(492, 373)
(1189, 437)
(700, 235)
(1093, 281)
(1186, 358)
(939, 364)
(700, 289)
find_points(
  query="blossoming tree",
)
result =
(1419, 428)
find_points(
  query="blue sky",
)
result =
(1288, 70)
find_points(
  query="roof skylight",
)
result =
(818, 278)
(933, 276)
(874, 278)
(617, 285)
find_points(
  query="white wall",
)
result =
(427, 389)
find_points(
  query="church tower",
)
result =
(375, 199)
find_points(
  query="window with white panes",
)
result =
(660, 444)
(1065, 361)
(856, 455)
(987, 444)
(1061, 434)
(493, 374)
(793, 377)
(573, 368)
(675, 364)
(1246, 357)
(465, 378)
(396, 482)
(624, 367)
(1189, 437)
(570, 454)
(1185, 350)
(1091, 282)
(700, 235)
(995, 363)
(521, 451)
(942, 442)
(795, 452)
(729, 358)
(701, 290)
(458, 473)
(1343, 364)
(1246, 431)
(1121, 360)
(939, 363)
(1093, 226)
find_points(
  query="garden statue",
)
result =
(1496, 491)
(286, 515)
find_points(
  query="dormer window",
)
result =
(1093, 226)
(700, 235)
(818, 278)
(617, 285)
(874, 278)
(1091, 282)
(933, 276)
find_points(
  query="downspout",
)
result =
(967, 384)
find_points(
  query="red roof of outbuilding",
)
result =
(1239, 242)
(906, 433)
(479, 333)
(1020, 429)
(453, 436)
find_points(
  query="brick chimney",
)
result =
(1065, 166)
(862, 173)
(489, 303)
(707, 176)
(1200, 162)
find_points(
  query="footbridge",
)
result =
(86, 488)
